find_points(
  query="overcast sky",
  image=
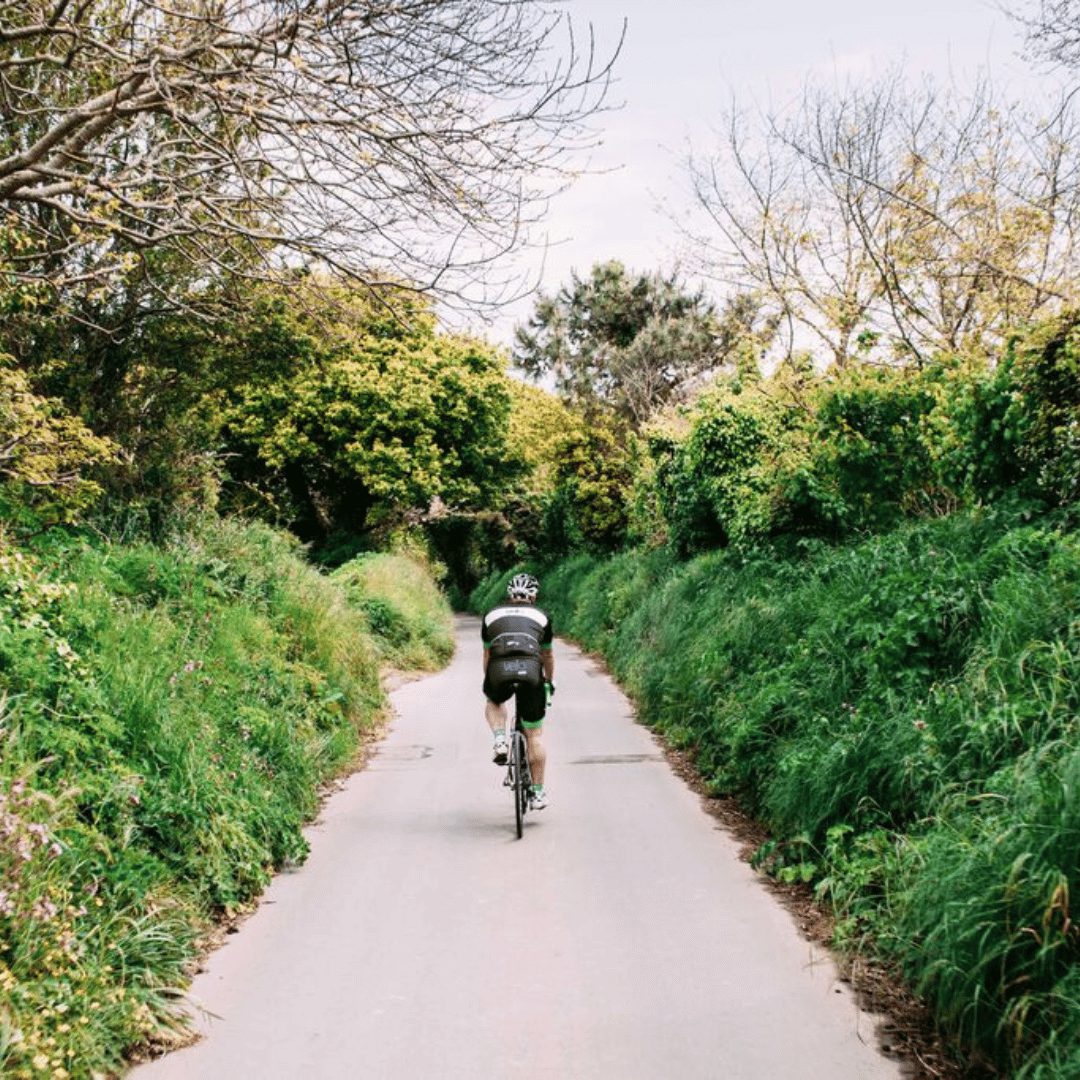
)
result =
(685, 60)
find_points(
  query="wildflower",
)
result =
(44, 910)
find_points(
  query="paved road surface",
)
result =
(621, 939)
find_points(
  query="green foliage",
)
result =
(353, 417)
(863, 448)
(329, 411)
(901, 713)
(620, 342)
(868, 451)
(589, 506)
(47, 456)
(990, 941)
(538, 424)
(167, 715)
(976, 429)
(711, 489)
(408, 614)
(140, 376)
(1048, 377)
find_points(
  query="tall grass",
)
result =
(167, 715)
(903, 714)
(404, 606)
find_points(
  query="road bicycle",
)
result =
(518, 774)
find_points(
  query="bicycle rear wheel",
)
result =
(519, 758)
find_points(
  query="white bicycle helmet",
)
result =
(523, 587)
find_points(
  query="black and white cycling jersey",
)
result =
(516, 630)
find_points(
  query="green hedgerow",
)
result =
(167, 716)
(902, 713)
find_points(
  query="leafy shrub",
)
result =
(864, 448)
(1048, 375)
(868, 449)
(974, 434)
(717, 484)
(47, 456)
(589, 505)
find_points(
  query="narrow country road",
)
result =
(621, 938)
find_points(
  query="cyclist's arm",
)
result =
(547, 655)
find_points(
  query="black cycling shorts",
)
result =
(523, 675)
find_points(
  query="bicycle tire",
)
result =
(526, 774)
(519, 757)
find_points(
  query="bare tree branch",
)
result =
(1052, 29)
(406, 140)
(891, 222)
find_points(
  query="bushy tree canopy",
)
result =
(628, 342)
(350, 418)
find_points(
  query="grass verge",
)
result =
(167, 716)
(902, 714)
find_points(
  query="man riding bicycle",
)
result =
(518, 660)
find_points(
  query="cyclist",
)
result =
(518, 660)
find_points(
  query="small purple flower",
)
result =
(44, 910)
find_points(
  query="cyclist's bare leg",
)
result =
(495, 716)
(537, 753)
